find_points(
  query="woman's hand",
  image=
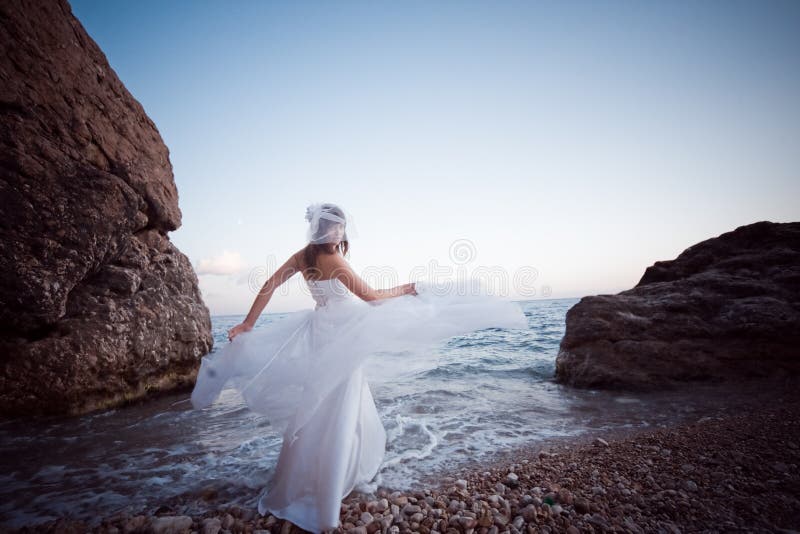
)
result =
(238, 329)
(409, 289)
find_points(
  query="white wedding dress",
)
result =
(306, 373)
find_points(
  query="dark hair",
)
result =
(312, 250)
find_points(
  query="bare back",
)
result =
(326, 265)
(336, 266)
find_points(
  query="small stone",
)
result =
(248, 514)
(401, 500)
(690, 485)
(454, 506)
(601, 442)
(598, 520)
(581, 506)
(780, 467)
(500, 520)
(668, 526)
(467, 522)
(631, 526)
(211, 525)
(461, 484)
(512, 480)
(170, 524)
(485, 520)
(135, 523)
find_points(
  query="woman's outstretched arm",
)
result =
(396, 291)
(280, 276)
(361, 289)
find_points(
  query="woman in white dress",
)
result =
(306, 373)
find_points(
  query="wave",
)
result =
(462, 370)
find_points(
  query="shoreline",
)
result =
(745, 475)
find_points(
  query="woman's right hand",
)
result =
(238, 329)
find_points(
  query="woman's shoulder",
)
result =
(332, 261)
(298, 259)
(327, 264)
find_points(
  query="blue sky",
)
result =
(565, 145)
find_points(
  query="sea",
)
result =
(473, 397)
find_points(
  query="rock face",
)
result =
(96, 304)
(727, 308)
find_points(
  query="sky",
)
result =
(554, 149)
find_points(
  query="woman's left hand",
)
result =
(409, 289)
(238, 329)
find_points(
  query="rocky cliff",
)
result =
(97, 306)
(726, 309)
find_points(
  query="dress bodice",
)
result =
(328, 291)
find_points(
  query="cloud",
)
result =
(226, 263)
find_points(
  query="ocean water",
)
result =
(477, 394)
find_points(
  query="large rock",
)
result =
(727, 308)
(96, 304)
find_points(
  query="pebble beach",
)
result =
(737, 470)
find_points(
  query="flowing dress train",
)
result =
(306, 373)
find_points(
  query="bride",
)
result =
(306, 371)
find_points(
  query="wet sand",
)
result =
(734, 470)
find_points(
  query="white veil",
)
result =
(328, 223)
